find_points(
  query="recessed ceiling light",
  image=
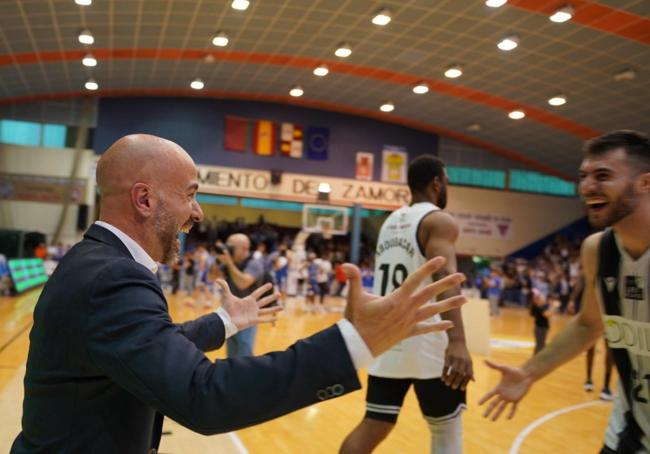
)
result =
(421, 88)
(85, 37)
(382, 17)
(517, 114)
(220, 39)
(473, 127)
(453, 72)
(89, 61)
(387, 107)
(562, 15)
(508, 43)
(626, 74)
(240, 5)
(91, 84)
(197, 84)
(343, 50)
(83, 2)
(495, 3)
(321, 70)
(557, 100)
(296, 91)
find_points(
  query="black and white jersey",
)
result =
(397, 255)
(622, 289)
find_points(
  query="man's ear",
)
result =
(643, 184)
(142, 199)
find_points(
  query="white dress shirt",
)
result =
(359, 351)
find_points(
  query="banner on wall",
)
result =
(365, 164)
(317, 142)
(264, 138)
(291, 138)
(235, 134)
(36, 188)
(394, 162)
(483, 225)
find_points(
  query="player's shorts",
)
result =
(438, 402)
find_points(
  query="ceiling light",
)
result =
(382, 17)
(517, 114)
(89, 61)
(474, 127)
(558, 100)
(626, 74)
(453, 72)
(343, 50)
(421, 88)
(83, 2)
(85, 37)
(321, 70)
(387, 107)
(296, 91)
(562, 15)
(91, 84)
(240, 5)
(495, 3)
(220, 39)
(508, 43)
(197, 84)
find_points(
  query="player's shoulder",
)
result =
(589, 252)
(440, 221)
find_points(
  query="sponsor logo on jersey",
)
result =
(610, 283)
(632, 335)
(633, 288)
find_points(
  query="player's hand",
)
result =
(250, 310)
(514, 385)
(384, 321)
(458, 369)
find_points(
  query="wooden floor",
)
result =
(321, 428)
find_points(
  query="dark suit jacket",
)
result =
(104, 357)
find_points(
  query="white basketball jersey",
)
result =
(398, 254)
(631, 331)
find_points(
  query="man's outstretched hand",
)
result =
(248, 311)
(384, 321)
(515, 383)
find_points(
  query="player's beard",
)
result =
(166, 229)
(442, 197)
(620, 208)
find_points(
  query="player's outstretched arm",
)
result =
(579, 335)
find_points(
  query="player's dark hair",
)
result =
(635, 144)
(422, 170)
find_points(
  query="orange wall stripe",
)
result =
(594, 15)
(384, 75)
(389, 118)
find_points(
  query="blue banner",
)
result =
(317, 142)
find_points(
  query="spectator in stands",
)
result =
(494, 286)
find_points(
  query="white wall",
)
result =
(37, 216)
(532, 217)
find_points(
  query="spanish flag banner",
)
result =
(264, 138)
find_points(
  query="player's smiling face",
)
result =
(607, 187)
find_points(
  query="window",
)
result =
(522, 180)
(32, 134)
(468, 176)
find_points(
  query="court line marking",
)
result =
(514, 449)
(238, 443)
